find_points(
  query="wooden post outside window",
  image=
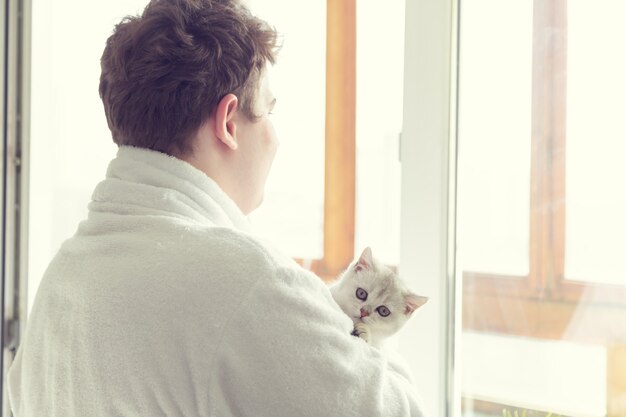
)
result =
(616, 380)
(339, 184)
(549, 110)
(340, 144)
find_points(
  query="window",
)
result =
(540, 203)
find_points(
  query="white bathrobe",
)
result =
(162, 305)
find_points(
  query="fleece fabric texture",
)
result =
(162, 304)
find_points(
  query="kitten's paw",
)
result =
(361, 330)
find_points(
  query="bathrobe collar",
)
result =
(145, 182)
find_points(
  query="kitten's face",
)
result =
(371, 293)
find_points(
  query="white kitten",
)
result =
(375, 298)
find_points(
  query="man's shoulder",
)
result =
(254, 269)
(240, 249)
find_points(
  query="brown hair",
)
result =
(164, 72)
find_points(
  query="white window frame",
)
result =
(428, 208)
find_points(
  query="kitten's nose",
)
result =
(364, 313)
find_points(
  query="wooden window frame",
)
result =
(544, 303)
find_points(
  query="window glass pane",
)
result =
(518, 373)
(541, 343)
(596, 142)
(71, 144)
(292, 213)
(380, 63)
(494, 132)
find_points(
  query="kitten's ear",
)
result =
(365, 261)
(413, 302)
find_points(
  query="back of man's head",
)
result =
(164, 72)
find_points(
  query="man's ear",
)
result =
(225, 127)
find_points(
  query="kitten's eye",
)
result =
(361, 294)
(383, 311)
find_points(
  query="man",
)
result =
(162, 304)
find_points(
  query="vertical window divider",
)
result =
(340, 149)
(16, 44)
(549, 101)
(428, 208)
